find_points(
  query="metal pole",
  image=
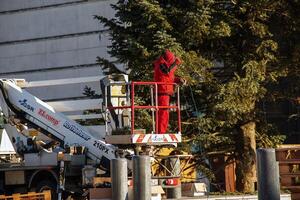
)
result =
(267, 175)
(106, 110)
(132, 107)
(141, 178)
(119, 179)
(156, 108)
(178, 110)
(152, 109)
(174, 193)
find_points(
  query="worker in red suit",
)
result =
(164, 71)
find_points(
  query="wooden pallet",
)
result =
(288, 157)
(46, 195)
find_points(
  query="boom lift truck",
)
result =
(43, 165)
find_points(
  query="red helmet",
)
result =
(169, 56)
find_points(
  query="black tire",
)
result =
(48, 185)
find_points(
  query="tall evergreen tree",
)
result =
(248, 55)
(228, 56)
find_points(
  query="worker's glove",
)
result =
(182, 81)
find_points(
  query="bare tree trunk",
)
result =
(246, 159)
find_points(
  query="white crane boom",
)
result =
(56, 124)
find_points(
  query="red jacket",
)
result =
(164, 71)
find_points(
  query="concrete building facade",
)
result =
(52, 39)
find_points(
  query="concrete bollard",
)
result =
(119, 179)
(267, 175)
(141, 178)
(174, 193)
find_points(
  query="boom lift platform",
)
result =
(141, 136)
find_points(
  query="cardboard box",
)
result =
(100, 193)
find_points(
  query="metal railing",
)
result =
(130, 88)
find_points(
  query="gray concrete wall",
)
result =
(42, 39)
(52, 53)
(13, 5)
(53, 21)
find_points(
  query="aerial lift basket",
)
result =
(139, 136)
